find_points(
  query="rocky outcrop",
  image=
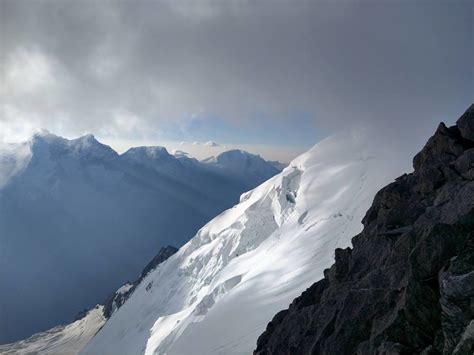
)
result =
(162, 255)
(118, 298)
(407, 285)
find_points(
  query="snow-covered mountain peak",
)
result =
(88, 145)
(235, 154)
(85, 141)
(45, 143)
(155, 153)
(240, 162)
(253, 259)
(45, 137)
(156, 158)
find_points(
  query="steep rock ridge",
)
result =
(116, 300)
(407, 285)
(216, 294)
(162, 256)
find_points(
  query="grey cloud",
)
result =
(128, 67)
(13, 159)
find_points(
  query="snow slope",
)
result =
(218, 292)
(77, 220)
(61, 340)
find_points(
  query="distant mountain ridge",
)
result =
(240, 163)
(77, 220)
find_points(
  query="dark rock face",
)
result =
(162, 255)
(407, 285)
(116, 300)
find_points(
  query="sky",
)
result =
(273, 77)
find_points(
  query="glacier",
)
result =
(218, 292)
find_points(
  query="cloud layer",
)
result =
(146, 69)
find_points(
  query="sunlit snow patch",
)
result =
(60, 340)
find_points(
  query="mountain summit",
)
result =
(54, 146)
(241, 164)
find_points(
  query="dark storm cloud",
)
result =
(126, 67)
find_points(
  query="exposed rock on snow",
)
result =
(407, 286)
(115, 301)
